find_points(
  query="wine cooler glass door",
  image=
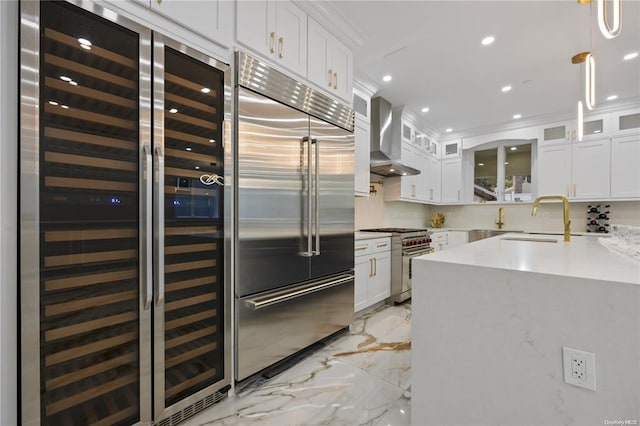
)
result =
(189, 308)
(82, 226)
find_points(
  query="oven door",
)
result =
(407, 264)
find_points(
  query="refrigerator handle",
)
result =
(148, 231)
(158, 222)
(307, 170)
(316, 252)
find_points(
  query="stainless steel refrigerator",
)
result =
(124, 224)
(295, 216)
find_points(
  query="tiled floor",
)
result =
(362, 378)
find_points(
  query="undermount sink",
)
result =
(530, 239)
(481, 234)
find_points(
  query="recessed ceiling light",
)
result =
(425, 109)
(488, 40)
(517, 116)
(392, 170)
(506, 163)
(513, 148)
(73, 83)
(64, 106)
(480, 164)
(54, 103)
(197, 167)
(404, 174)
(386, 78)
(597, 131)
(188, 148)
(173, 110)
(506, 88)
(65, 78)
(449, 130)
(212, 140)
(205, 90)
(630, 56)
(612, 97)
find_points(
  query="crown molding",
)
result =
(543, 119)
(332, 20)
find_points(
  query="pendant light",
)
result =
(607, 31)
(589, 87)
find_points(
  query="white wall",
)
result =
(373, 212)
(9, 20)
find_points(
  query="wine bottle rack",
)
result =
(88, 221)
(598, 216)
(193, 226)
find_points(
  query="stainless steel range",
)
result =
(406, 243)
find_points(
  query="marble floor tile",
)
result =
(362, 378)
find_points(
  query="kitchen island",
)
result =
(489, 322)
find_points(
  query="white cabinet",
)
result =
(451, 180)
(626, 123)
(372, 272)
(591, 170)
(581, 171)
(212, 18)
(625, 167)
(434, 188)
(329, 63)
(409, 188)
(595, 127)
(362, 136)
(451, 149)
(442, 240)
(276, 30)
(554, 173)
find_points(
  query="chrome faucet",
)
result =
(565, 205)
(500, 221)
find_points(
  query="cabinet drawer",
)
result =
(439, 237)
(374, 245)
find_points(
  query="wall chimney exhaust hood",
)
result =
(385, 151)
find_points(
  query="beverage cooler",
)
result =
(124, 318)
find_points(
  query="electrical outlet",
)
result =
(579, 368)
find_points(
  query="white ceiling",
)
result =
(433, 51)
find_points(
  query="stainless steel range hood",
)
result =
(384, 161)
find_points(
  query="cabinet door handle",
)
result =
(568, 193)
(281, 47)
(330, 77)
(361, 248)
(379, 245)
(574, 189)
(370, 268)
(458, 195)
(335, 85)
(375, 266)
(272, 42)
(431, 194)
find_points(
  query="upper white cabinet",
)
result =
(434, 180)
(362, 136)
(329, 63)
(595, 127)
(212, 19)
(580, 171)
(412, 187)
(451, 149)
(625, 166)
(451, 180)
(276, 30)
(626, 123)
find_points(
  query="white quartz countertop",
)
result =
(582, 257)
(370, 235)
